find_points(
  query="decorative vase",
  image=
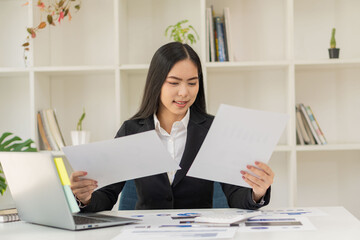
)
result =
(80, 137)
(334, 52)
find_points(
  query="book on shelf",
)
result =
(308, 131)
(299, 138)
(220, 39)
(207, 36)
(313, 132)
(307, 127)
(316, 125)
(218, 36)
(49, 130)
(9, 215)
(227, 22)
(43, 135)
(300, 125)
(58, 127)
(210, 35)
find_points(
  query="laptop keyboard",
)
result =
(96, 218)
(87, 220)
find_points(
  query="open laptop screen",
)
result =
(38, 193)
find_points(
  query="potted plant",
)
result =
(80, 136)
(182, 34)
(14, 144)
(333, 51)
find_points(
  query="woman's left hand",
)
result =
(259, 184)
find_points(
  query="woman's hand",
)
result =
(82, 188)
(259, 184)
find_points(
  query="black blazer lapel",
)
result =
(195, 137)
(147, 124)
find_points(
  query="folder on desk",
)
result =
(65, 181)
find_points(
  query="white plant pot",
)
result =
(80, 137)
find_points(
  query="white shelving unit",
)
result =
(99, 61)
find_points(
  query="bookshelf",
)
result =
(281, 59)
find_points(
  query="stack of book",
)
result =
(218, 36)
(308, 130)
(9, 215)
(49, 131)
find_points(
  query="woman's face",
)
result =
(179, 90)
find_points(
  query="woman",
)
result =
(174, 105)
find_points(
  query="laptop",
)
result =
(39, 196)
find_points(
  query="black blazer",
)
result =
(155, 192)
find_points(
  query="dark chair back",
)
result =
(129, 198)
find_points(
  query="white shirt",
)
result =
(175, 141)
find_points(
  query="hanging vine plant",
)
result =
(51, 11)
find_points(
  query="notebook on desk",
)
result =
(39, 195)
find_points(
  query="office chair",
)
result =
(128, 196)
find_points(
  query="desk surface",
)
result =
(339, 223)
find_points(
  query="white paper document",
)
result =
(295, 212)
(238, 137)
(171, 225)
(277, 224)
(121, 159)
(177, 233)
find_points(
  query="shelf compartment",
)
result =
(333, 95)
(13, 33)
(257, 28)
(142, 29)
(329, 179)
(313, 23)
(91, 38)
(15, 108)
(131, 90)
(262, 90)
(69, 93)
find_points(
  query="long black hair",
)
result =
(162, 62)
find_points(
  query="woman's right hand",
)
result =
(82, 187)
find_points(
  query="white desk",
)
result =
(338, 224)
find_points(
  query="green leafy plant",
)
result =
(79, 124)
(182, 34)
(14, 144)
(53, 11)
(3, 184)
(332, 40)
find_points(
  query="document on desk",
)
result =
(277, 224)
(121, 159)
(172, 225)
(238, 137)
(177, 233)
